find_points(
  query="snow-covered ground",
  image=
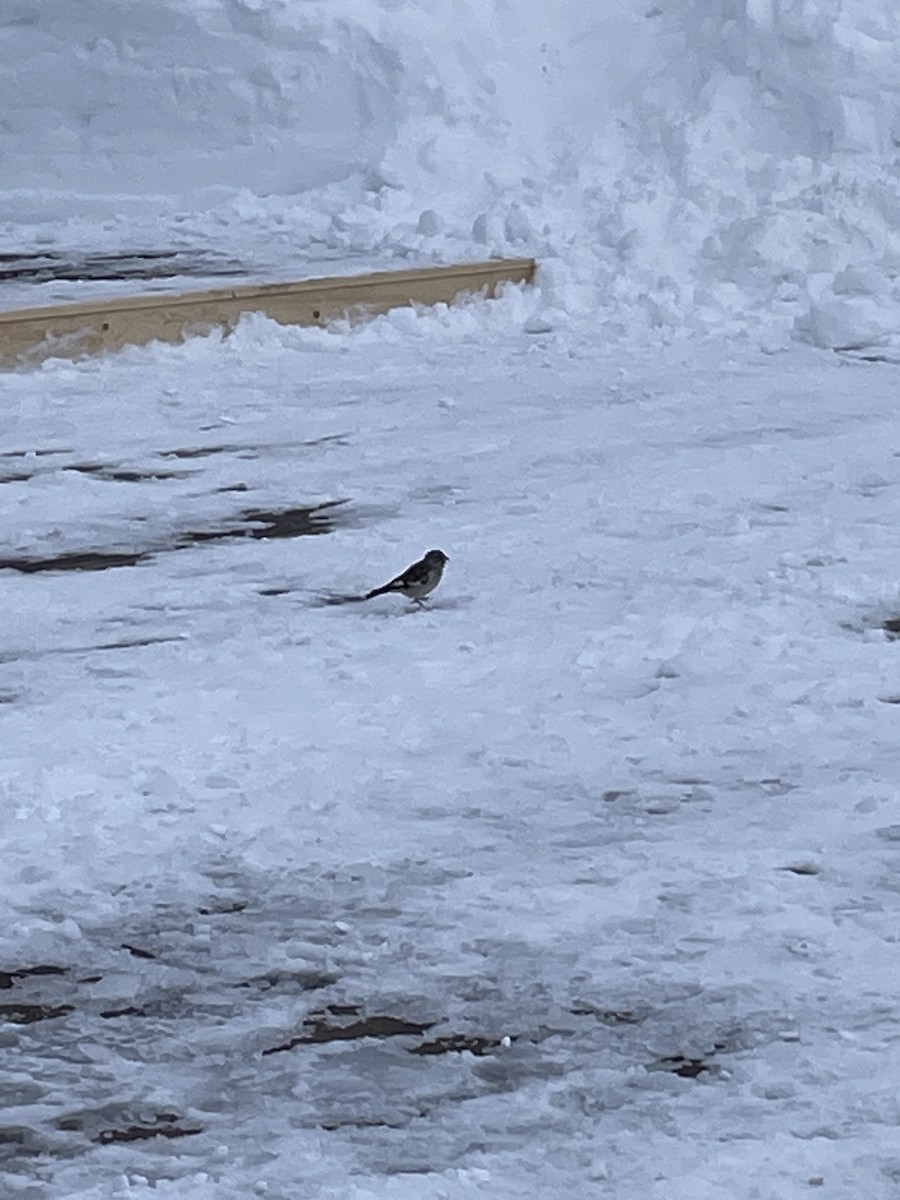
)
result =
(583, 880)
(626, 792)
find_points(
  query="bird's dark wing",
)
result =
(415, 575)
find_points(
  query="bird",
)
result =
(417, 581)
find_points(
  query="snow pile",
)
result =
(134, 98)
(687, 164)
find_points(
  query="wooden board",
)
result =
(95, 326)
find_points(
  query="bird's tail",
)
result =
(378, 592)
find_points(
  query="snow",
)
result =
(593, 860)
(694, 167)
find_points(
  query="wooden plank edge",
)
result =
(30, 335)
(503, 269)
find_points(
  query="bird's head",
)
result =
(436, 558)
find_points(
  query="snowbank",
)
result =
(721, 164)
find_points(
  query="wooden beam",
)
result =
(96, 326)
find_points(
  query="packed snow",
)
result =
(582, 880)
